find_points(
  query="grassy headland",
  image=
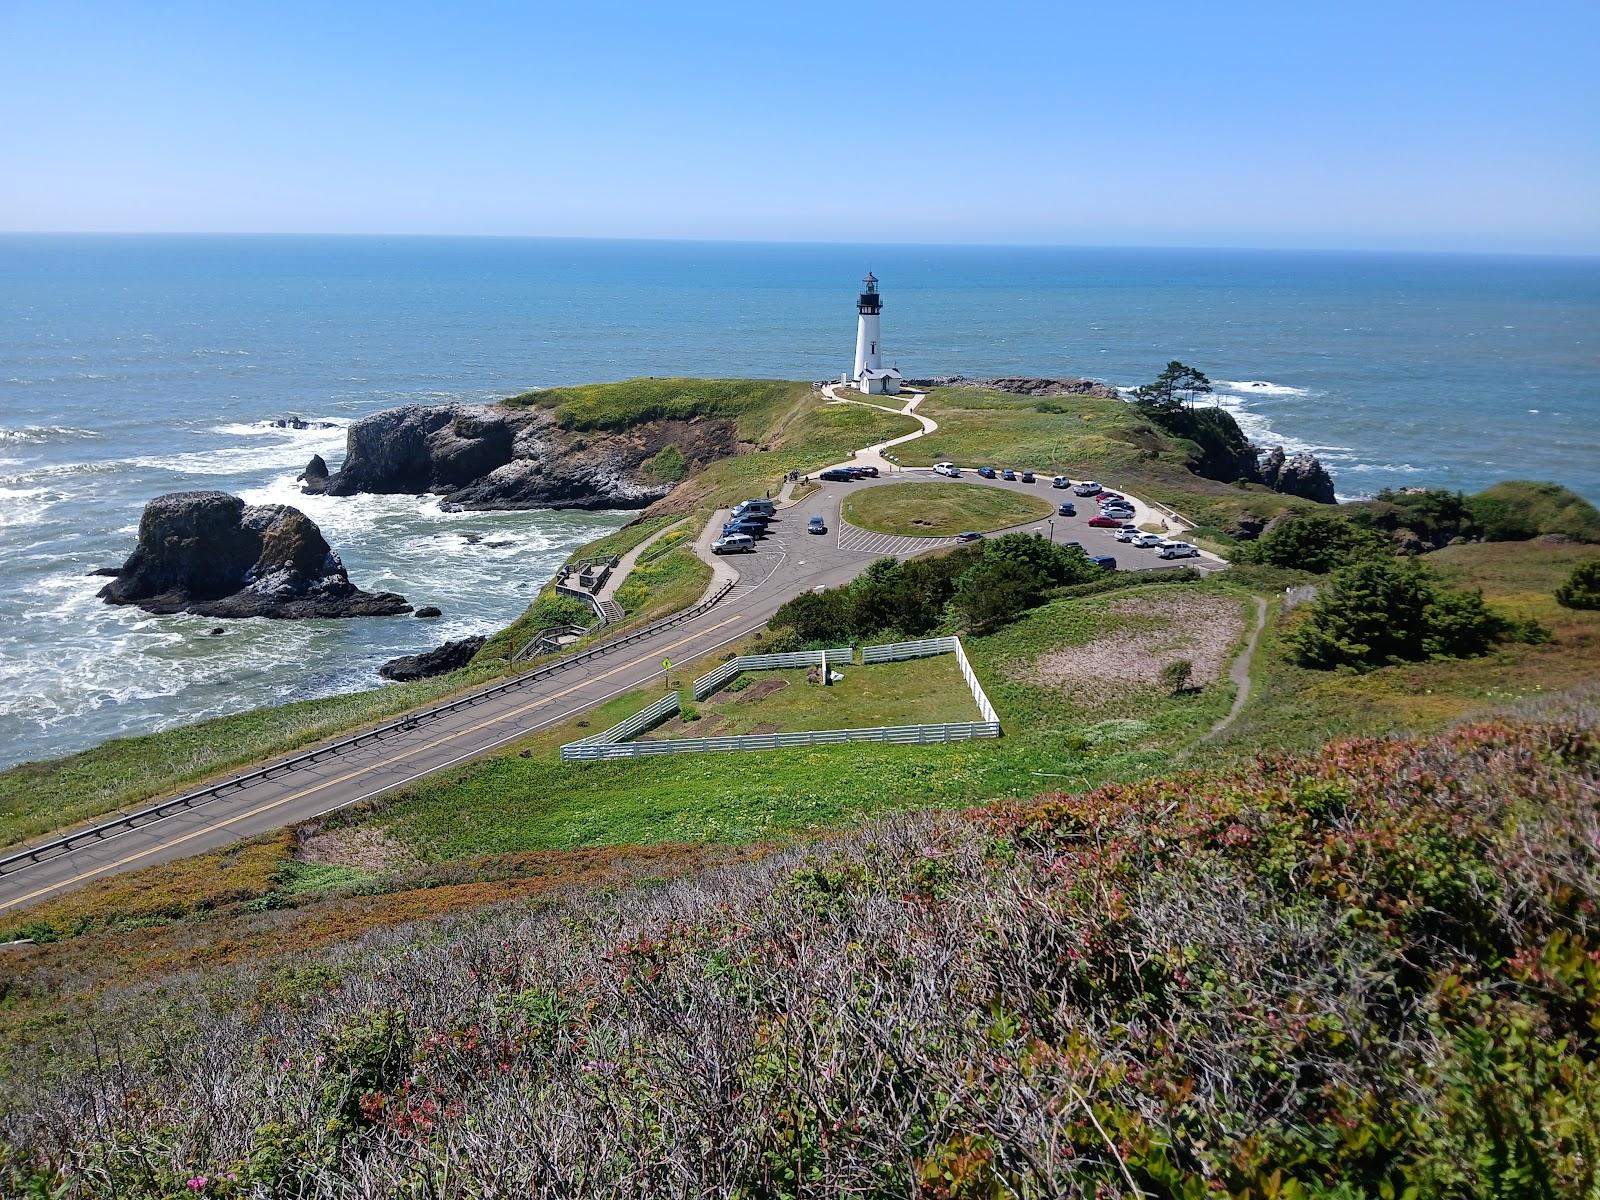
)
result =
(940, 509)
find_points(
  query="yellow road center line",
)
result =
(327, 783)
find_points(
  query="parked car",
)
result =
(734, 543)
(751, 517)
(948, 469)
(1087, 488)
(1068, 509)
(1105, 522)
(986, 473)
(1105, 494)
(1104, 560)
(1008, 475)
(750, 529)
(1074, 545)
(1027, 477)
(1150, 541)
(1179, 550)
(866, 472)
(766, 506)
(969, 536)
(1127, 535)
(816, 525)
(839, 475)
(1061, 481)
(1120, 511)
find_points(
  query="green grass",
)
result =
(923, 691)
(36, 798)
(1054, 740)
(1298, 709)
(940, 509)
(665, 584)
(755, 405)
(622, 540)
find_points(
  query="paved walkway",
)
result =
(619, 573)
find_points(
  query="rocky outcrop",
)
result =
(429, 611)
(208, 553)
(1025, 385)
(1297, 475)
(315, 476)
(510, 458)
(451, 656)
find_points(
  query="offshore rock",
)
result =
(1301, 475)
(451, 656)
(512, 458)
(209, 554)
(315, 476)
(428, 611)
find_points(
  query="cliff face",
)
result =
(1297, 475)
(493, 458)
(208, 553)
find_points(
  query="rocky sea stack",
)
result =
(451, 656)
(513, 458)
(210, 554)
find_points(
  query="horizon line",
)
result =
(704, 241)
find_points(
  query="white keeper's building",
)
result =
(871, 375)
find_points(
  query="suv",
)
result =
(751, 529)
(734, 543)
(1008, 475)
(1069, 509)
(1127, 534)
(761, 506)
(1061, 481)
(1179, 550)
(949, 469)
(1027, 477)
(816, 525)
(1104, 560)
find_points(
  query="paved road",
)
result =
(788, 562)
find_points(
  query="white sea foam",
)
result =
(1260, 387)
(20, 507)
(44, 433)
(276, 448)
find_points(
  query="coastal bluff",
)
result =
(210, 554)
(491, 457)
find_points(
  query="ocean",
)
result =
(133, 366)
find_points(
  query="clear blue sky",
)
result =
(1401, 124)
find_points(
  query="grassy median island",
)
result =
(940, 509)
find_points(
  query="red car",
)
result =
(1104, 496)
(1106, 522)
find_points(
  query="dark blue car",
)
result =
(1104, 560)
(1067, 510)
(986, 472)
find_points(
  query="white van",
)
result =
(734, 543)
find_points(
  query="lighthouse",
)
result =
(870, 375)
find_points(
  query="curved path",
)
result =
(1239, 673)
(788, 562)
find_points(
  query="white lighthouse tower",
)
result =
(870, 374)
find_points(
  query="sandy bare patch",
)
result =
(1202, 629)
(355, 846)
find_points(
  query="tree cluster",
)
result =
(1175, 388)
(1381, 612)
(976, 588)
(1318, 542)
(1582, 588)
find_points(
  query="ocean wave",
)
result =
(45, 433)
(24, 506)
(312, 425)
(288, 448)
(1260, 387)
(38, 474)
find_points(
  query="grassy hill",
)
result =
(1365, 972)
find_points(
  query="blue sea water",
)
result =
(132, 366)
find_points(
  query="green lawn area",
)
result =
(620, 541)
(1056, 738)
(920, 691)
(940, 509)
(663, 583)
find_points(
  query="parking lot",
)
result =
(787, 544)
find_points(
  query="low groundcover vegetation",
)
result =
(1370, 972)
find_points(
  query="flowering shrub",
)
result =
(1371, 972)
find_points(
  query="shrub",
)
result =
(1582, 588)
(667, 466)
(1315, 541)
(1436, 515)
(1377, 613)
(1518, 509)
(1175, 675)
(995, 592)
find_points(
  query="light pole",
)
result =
(1051, 521)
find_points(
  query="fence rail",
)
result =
(712, 680)
(895, 651)
(645, 718)
(405, 723)
(892, 734)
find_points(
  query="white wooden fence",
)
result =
(613, 743)
(712, 680)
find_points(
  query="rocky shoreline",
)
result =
(210, 554)
(494, 457)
